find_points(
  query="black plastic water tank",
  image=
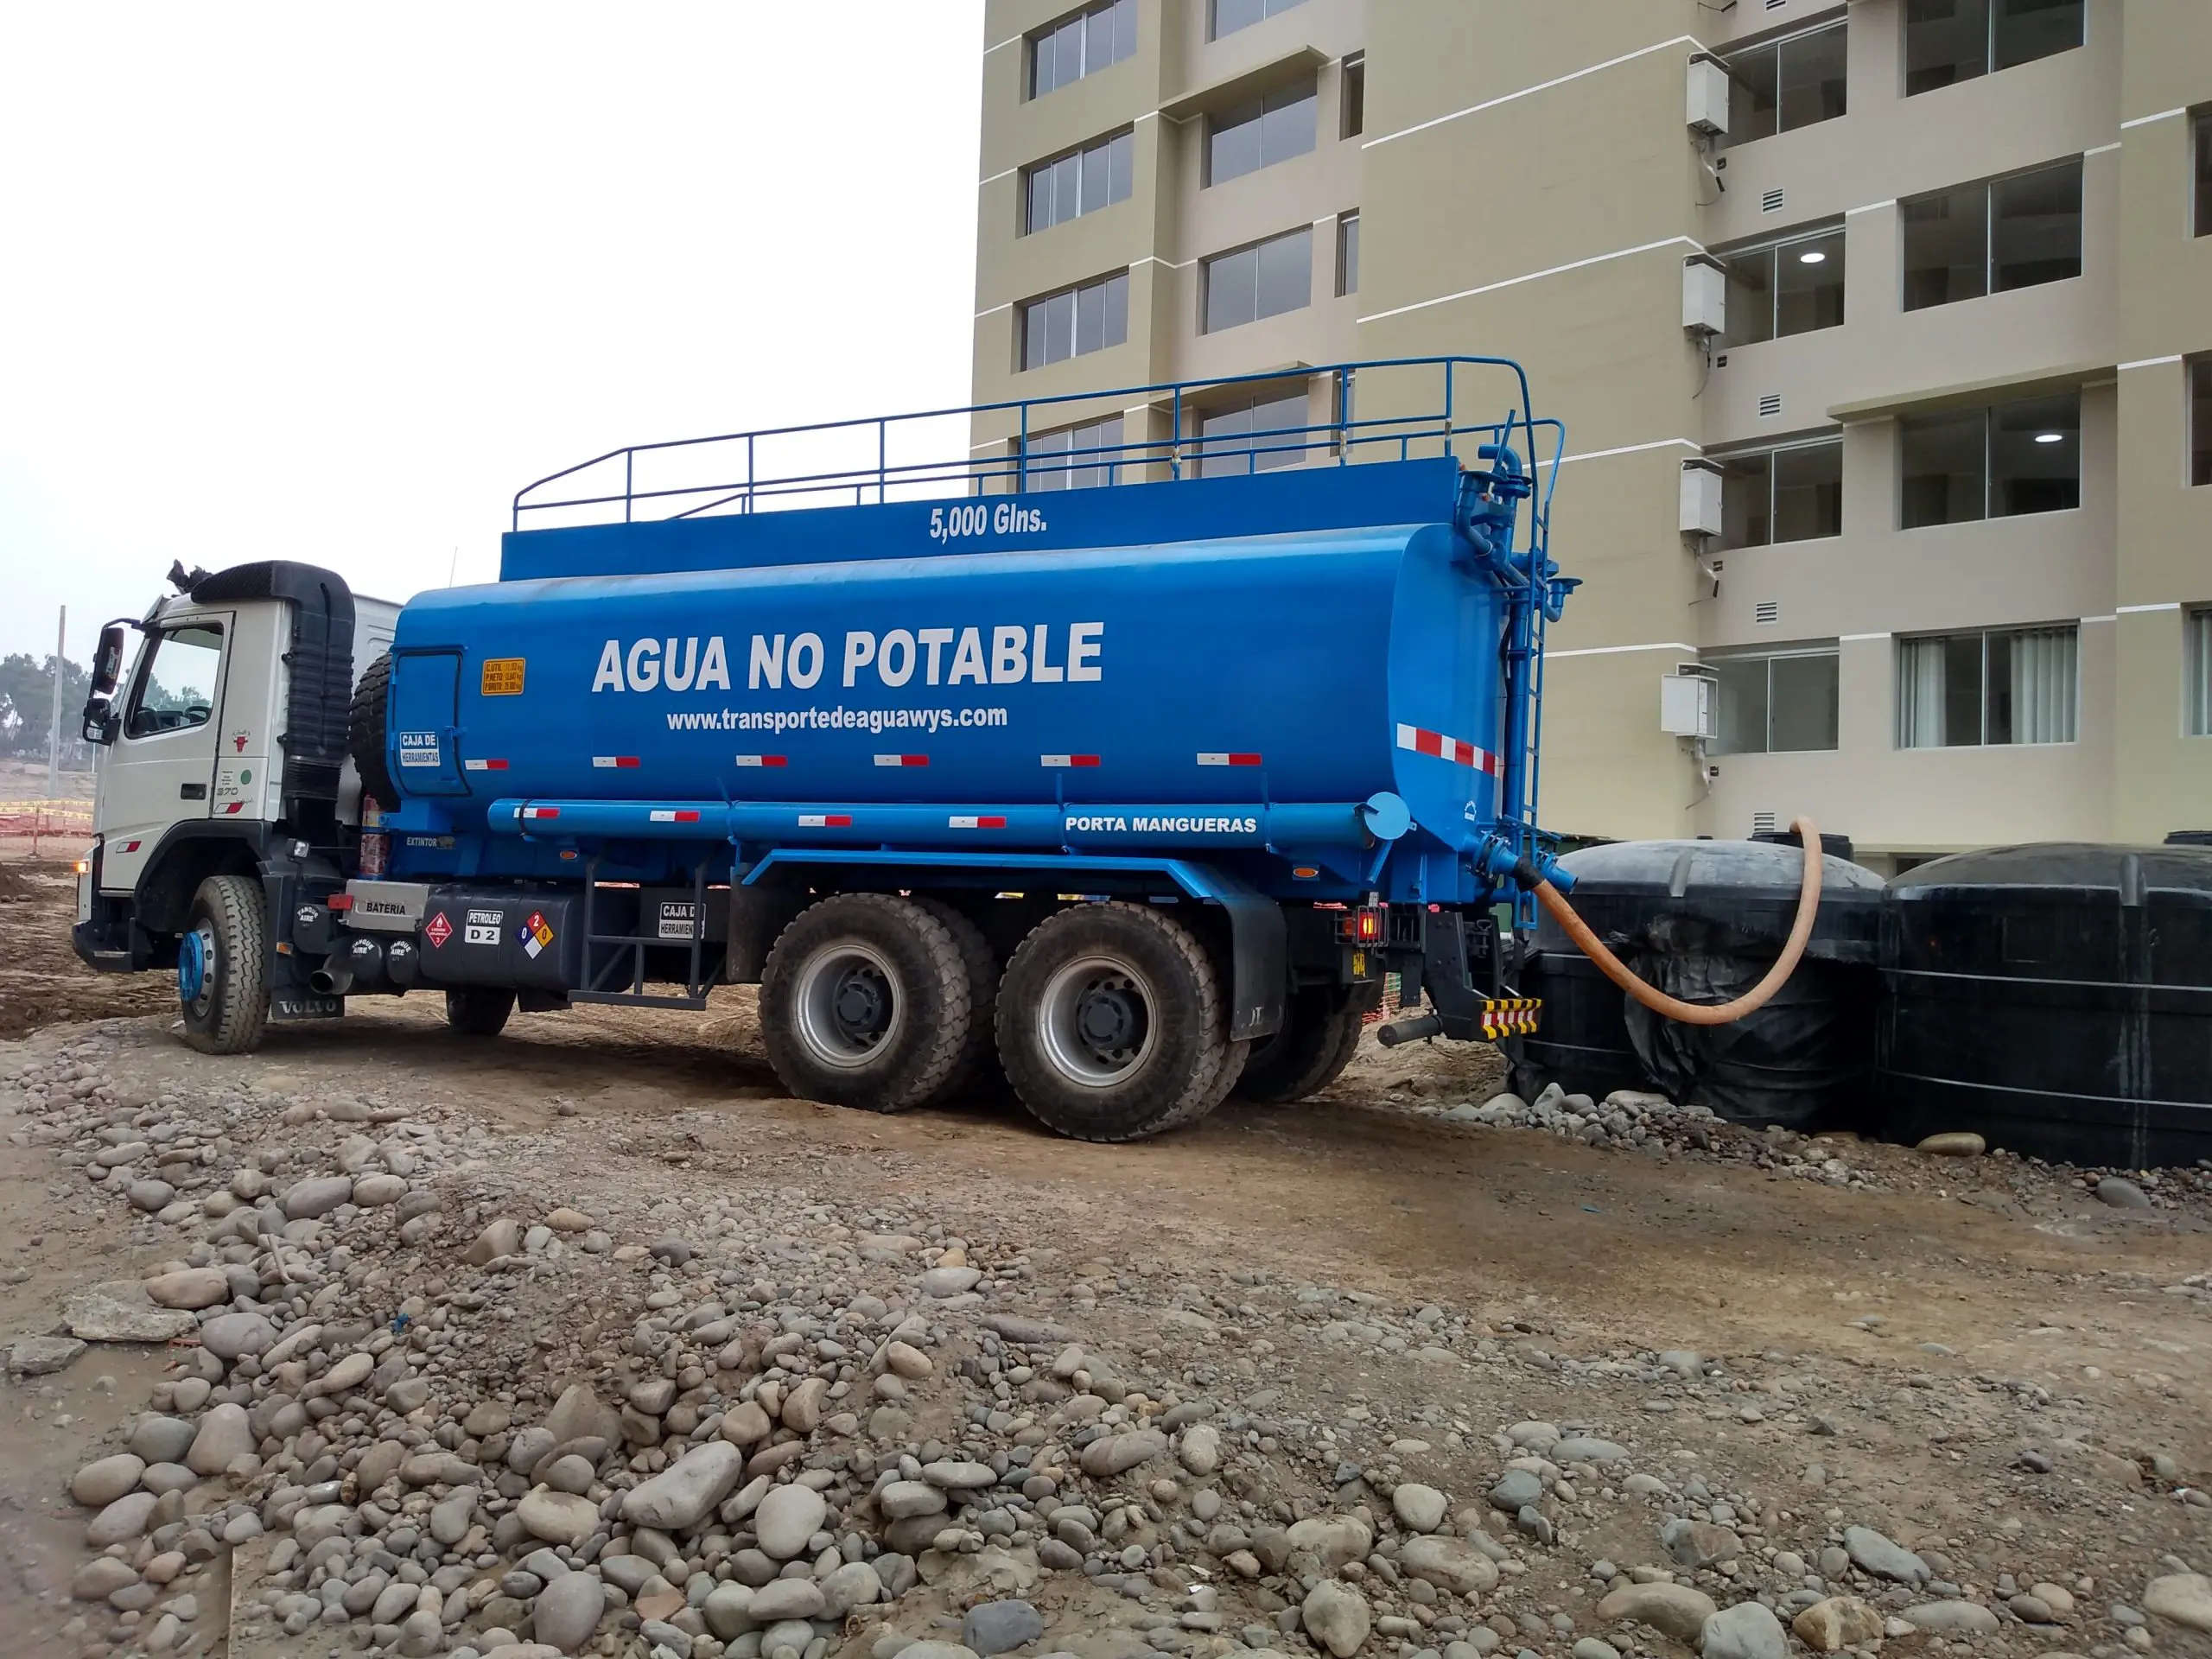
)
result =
(1704, 920)
(2056, 999)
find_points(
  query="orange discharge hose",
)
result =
(1701, 1013)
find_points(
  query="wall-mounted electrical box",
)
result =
(1700, 507)
(1708, 95)
(1685, 706)
(1705, 296)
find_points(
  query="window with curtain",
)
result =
(2196, 672)
(2011, 686)
(1076, 457)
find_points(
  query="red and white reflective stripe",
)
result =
(612, 762)
(1231, 759)
(541, 811)
(762, 760)
(824, 821)
(902, 759)
(1068, 760)
(483, 765)
(671, 815)
(1456, 750)
(974, 824)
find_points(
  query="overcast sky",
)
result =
(329, 283)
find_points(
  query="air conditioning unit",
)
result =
(1708, 95)
(1705, 296)
(1685, 706)
(1700, 507)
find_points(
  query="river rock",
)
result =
(1335, 1538)
(1515, 1491)
(1951, 1618)
(1747, 1630)
(2184, 1597)
(100, 1482)
(224, 1433)
(568, 1611)
(2122, 1194)
(1000, 1626)
(950, 1281)
(151, 1195)
(189, 1288)
(158, 1439)
(1699, 1543)
(502, 1237)
(374, 1191)
(100, 1577)
(729, 1609)
(1837, 1623)
(120, 1311)
(745, 1423)
(557, 1517)
(1953, 1143)
(781, 1599)
(908, 1361)
(580, 1413)
(230, 1336)
(902, 1499)
(1418, 1508)
(317, 1196)
(41, 1356)
(121, 1520)
(1335, 1616)
(1118, 1454)
(1675, 1610)
(679, 1498)
(1201, 1449)
(787, 1518)
(1449, 1564)
(1585, 1448)
(1883, 1558)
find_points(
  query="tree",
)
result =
(27, 709)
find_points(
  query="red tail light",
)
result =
(1362, 926)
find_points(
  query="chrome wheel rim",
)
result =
(848, 1004)
(1097, 1022)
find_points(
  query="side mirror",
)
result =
(99, 719)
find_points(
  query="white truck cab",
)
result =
(226, 782)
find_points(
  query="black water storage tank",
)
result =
(2054, 999)
(1703, 921)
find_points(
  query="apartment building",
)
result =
(1882, 330)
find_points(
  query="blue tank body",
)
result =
(1324, 711)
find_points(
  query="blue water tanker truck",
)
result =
(1115, 762)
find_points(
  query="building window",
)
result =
(1255, 436)
(1968, 690)
(1787, 84)
(1229, 16)
(1355, 96)
(1092, 40)
(1347, 253)
(1987, 238)
(2196, 672)
(1786, 288)
(1264, 280)
(1259, 132)
(2201, 145)
(1082, 181)
(1950, 41)
(1076, 457)
(1782, 495)
(1076, 322)
(1992, 463)
(1777, 702)
(2200, 422)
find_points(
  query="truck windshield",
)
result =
(176, 684)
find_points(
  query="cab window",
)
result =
(176, 683)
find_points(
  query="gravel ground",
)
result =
(385, 1340)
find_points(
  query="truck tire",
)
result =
(864, 1001)
(479, 1010)
(364, 732)
(1111, 1025)
(1319, 1034)
(222, 966)
(977, 1071)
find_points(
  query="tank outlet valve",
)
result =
(1421, 1025)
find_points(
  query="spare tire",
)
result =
(365, 732)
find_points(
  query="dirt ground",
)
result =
(1910, 1338)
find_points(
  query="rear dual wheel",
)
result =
(1111, 1025)
(1320, 1035)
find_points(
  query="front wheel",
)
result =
(1111, 1024)
(479, 1010)
(222, 966)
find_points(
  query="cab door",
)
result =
(161, 770)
